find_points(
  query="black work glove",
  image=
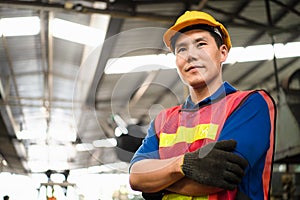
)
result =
(241, 196)
(215, 165)
(153, 196)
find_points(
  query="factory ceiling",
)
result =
(67, 88)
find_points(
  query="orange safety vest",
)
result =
(184, 130)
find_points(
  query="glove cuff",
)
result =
(181, 165)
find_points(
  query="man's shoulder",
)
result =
(246, 94)
(165, 114)
(255, 99)
(256, 94)
(170, 110)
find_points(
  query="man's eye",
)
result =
(181, 49)
(200, 44)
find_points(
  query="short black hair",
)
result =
(210, 29)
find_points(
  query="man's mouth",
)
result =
(193, 67)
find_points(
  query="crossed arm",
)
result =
(153, 175)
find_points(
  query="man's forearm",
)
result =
(153, 175)
(186, 186)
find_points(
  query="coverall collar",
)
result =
(224, 90)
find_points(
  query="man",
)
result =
(6, 197)
(219, 144)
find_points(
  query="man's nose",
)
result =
(191, 54)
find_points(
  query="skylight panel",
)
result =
(78, 33)
(19, 26)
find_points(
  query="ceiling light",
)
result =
(288, 50)
(19, 26)
(263, 52)
(110, 142)
(118, 131)
(236, 54)
(233, 55)
(120, 123)
(139, 63)
(4, 162)
(256, 53)
(84, 147)
(100, 5)
(31, 134)
(77, 32)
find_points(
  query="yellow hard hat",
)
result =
(190, 18)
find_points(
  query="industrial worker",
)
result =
(219, 143)
(6, 197)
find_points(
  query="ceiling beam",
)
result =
(114, 28)
(240, 7)
(7, 147)
(249, 22)
(289, 8)
(12, 122)
(162, 95)
(271, 75)
(57, 7)
(278, 16)
(143, 87)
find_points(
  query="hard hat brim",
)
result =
(183, 24)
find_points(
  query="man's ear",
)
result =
(224, 52)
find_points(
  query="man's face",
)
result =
(198, 58)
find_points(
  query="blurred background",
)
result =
(81, 80)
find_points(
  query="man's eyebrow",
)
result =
(199, 39)
(180, 44)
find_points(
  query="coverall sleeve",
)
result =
(149, 147)
(250, 126)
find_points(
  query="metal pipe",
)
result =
(269, 16)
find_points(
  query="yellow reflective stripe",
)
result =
(182, 197)
(176, 197)
(189, 135)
